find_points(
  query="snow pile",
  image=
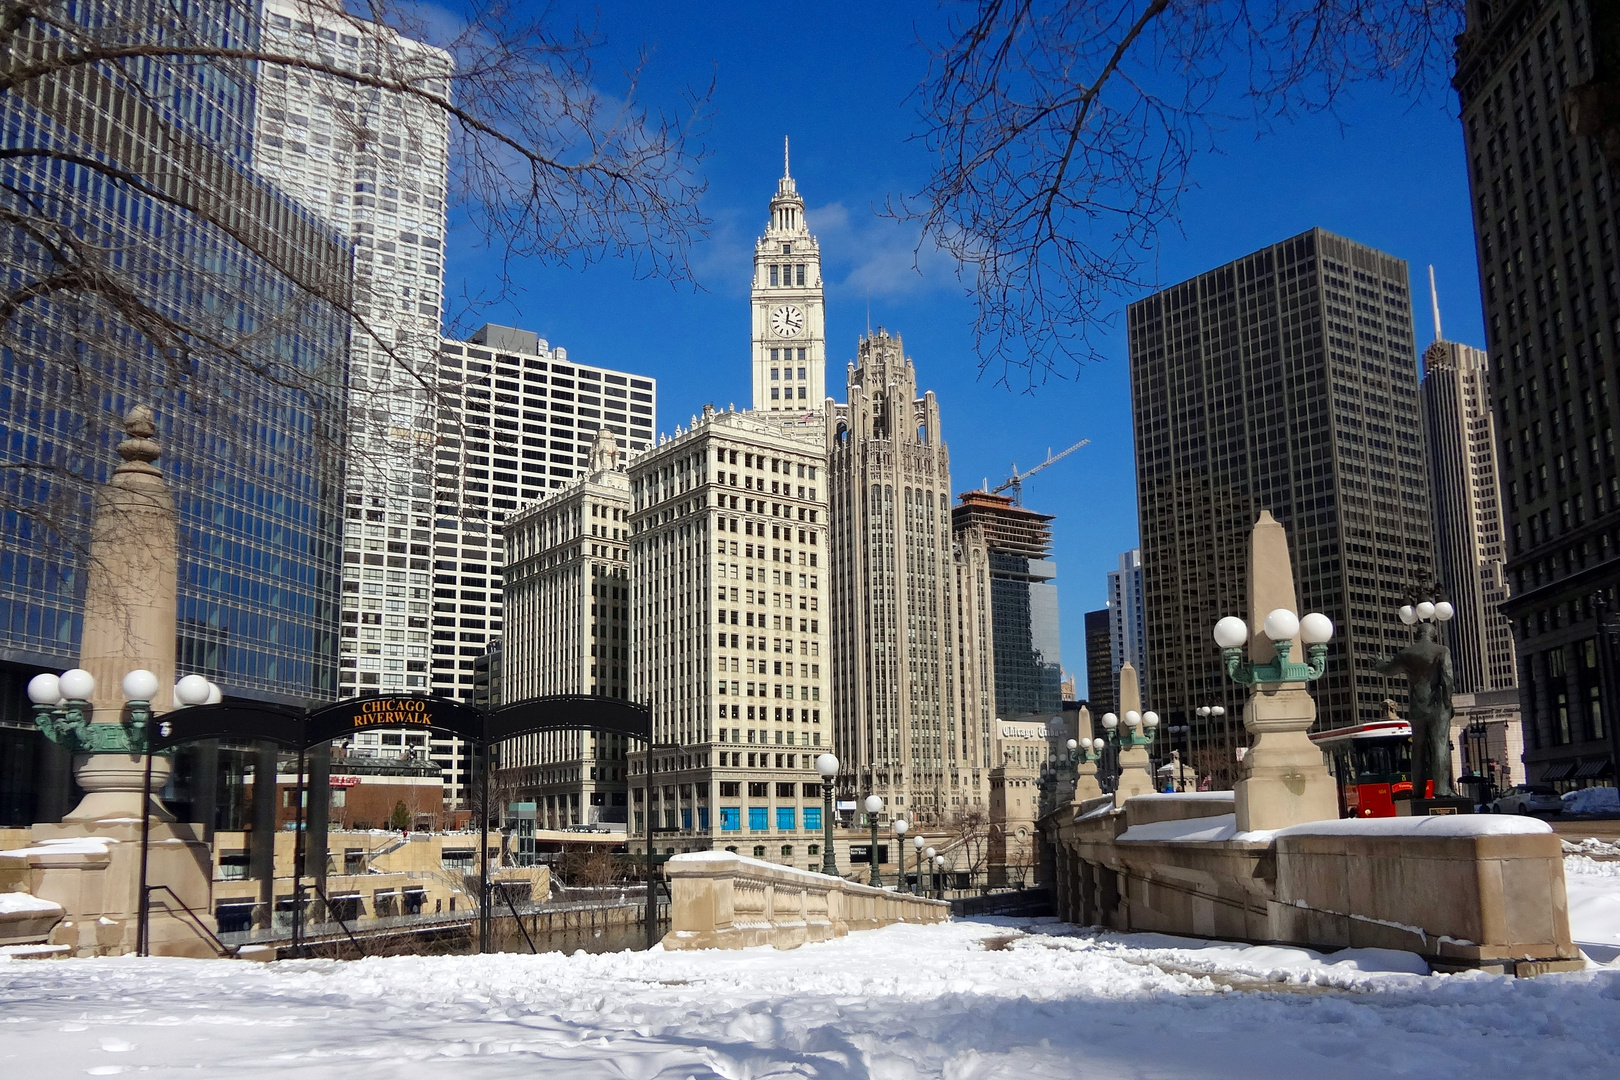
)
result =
(1591, 845)
(1206, 829)
(1593, 889)
(21, 903)
(992, 1000)
(1439, 825)
(72, 845)
(1592, 800)
(1350, 969)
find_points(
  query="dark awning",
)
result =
(1591, 770)
(1558, 770)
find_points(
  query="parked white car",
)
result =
(1528, 799)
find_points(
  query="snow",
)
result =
(988, 1000)
(1439, 825)
(19, 903)
(1187, 796)
(73, 845)
(1215, 827)
(1593, 800)
(1593, 888)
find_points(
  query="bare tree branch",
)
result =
(1064, 133)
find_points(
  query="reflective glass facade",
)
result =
(210, 322)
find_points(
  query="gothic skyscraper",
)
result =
(789, 311)
(905, 635)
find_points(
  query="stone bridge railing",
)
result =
(721, 900)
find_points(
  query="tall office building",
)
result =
(1100, 694)
(375, 165)
(729, 637)
(1283, 381)
(1463, 482)
(789, 309)
(254, 461)
(515, 419)
(1023, 599)
(568, 632)
(1545, 222)
(1127, 618)
(899, 718)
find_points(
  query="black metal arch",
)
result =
(301, 729)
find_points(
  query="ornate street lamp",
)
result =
(827, 766)
(901, 827)
(1315, 630)
(939, 877)
(928, 857)
(918, 842)
(874, 807)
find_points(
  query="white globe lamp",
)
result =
(139, 685)
(1316, 629)
(45, 689)
(78, 684)
(1281, 625)
(1231, 632)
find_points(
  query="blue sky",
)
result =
(1386, 172)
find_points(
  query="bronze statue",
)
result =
(1427, 666)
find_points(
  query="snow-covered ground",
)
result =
(1593, 888)
(963, 1001)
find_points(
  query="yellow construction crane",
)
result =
(1016, 480)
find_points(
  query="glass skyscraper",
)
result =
(216, 299)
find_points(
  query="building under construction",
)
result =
(1024, 601)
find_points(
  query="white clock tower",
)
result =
(790, 324)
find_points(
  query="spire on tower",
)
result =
(785, 172)
(1434, 299)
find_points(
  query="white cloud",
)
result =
(878, 256)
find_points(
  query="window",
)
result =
(785, 816)
(759, 851)
(759, 818)
(758, 789)
(812, 819)
(730, 789)
(730, 819)
(686, 819)
(774, 273)
(787, 849)
(798, 273)
(812, 791)
(785, 791)
(703, 819)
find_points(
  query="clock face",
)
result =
(787, 321)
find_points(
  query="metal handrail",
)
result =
(224, 950)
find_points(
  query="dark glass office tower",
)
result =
(1543, 158)
(1099, 665)
(203, 311)
(1284, 381)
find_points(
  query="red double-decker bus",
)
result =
(1371, 764)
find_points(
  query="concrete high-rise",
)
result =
(729, 637)
(375, 164)
(515, 420)
(1127, 618)
(1100, 690)
(1543, 166)
(1023, 601)
(1468, 549)
(901, 722)
(1283, 381)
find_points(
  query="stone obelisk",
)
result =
(1135, 767)
(131, 591)
(1085, 773)
(1282, 780)
(90, 864)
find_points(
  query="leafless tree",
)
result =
(1064, 134)
(126, 182)
(968, 836)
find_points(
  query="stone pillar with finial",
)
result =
(90, 863)
(1135, 767)
(1282, 779)
(1085, 772)
(131, 593)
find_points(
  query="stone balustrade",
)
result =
(721, 900)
